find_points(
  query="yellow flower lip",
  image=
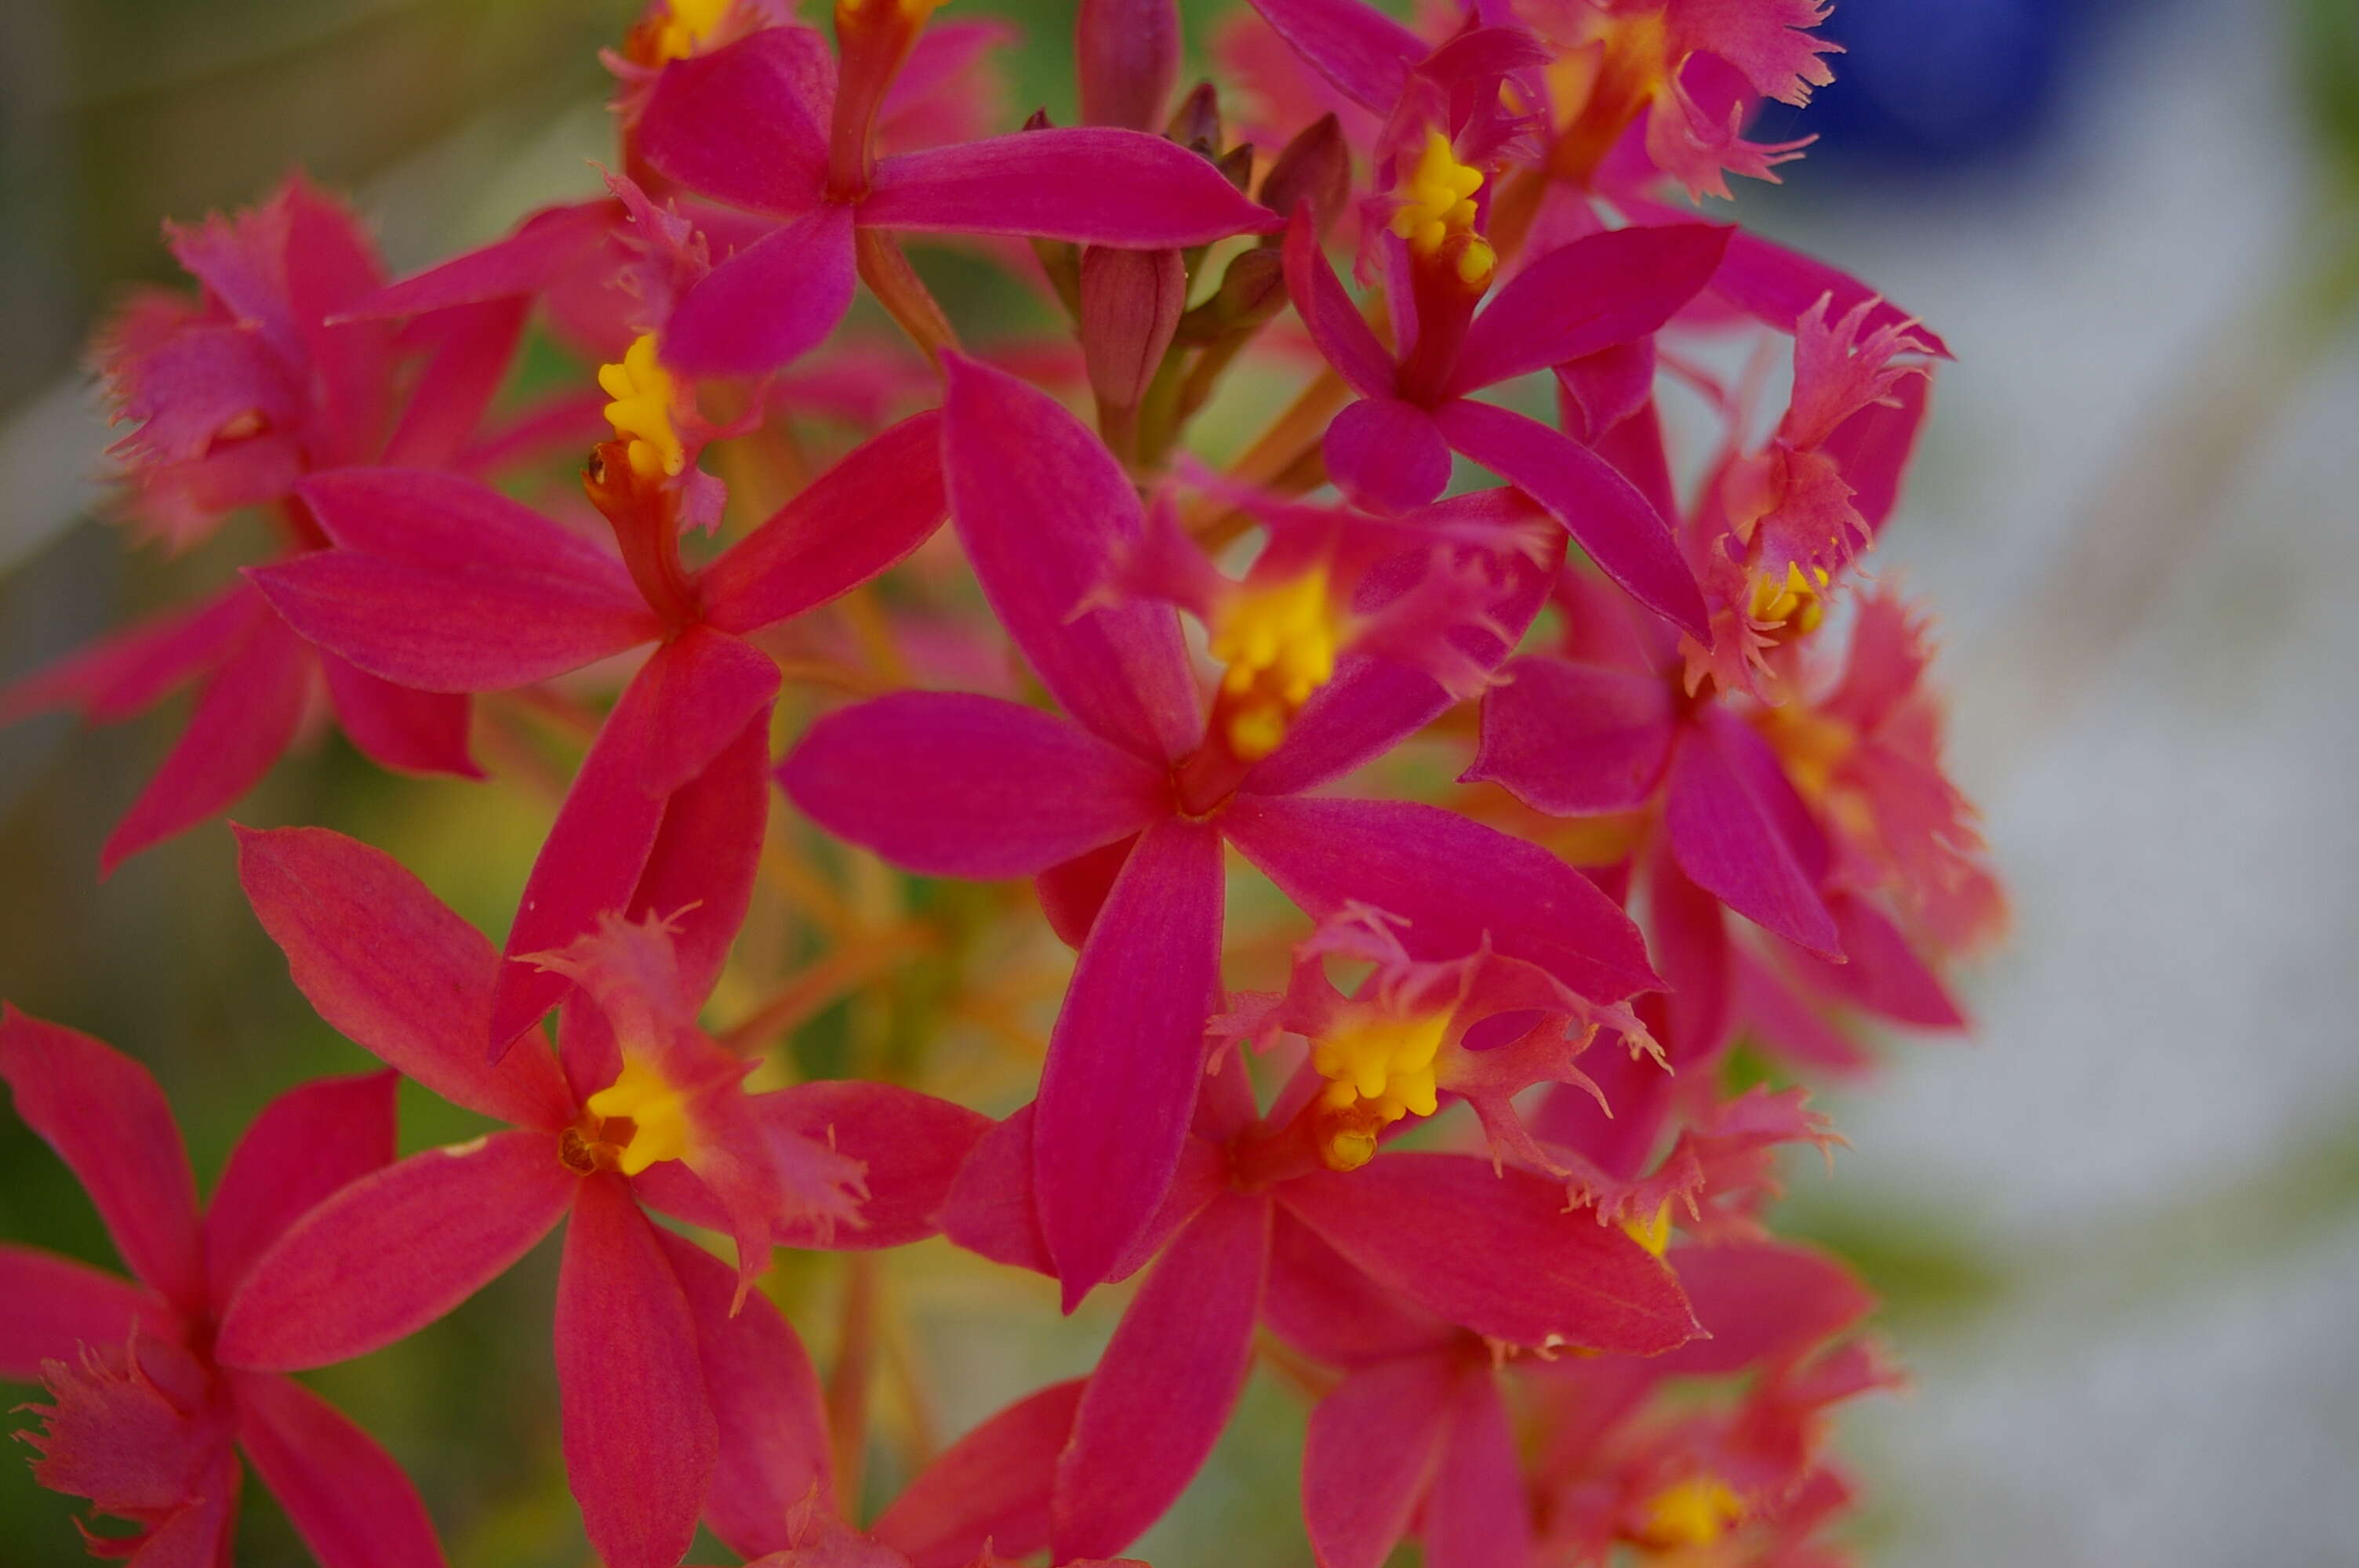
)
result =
(1438, 200)
(688, 24)
(655, 1108)
(1378, 1070)
(1280, 643)
(645, 395)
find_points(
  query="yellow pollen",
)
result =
(643, 396)
(1812, 745)
(1279, 643)
(1694, 1513)
(1377, 1071)
(656, 1109)
(1438, 199)
(690, 24)
(1654, 1235)
(1793, 601)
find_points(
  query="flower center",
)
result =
(1279, 645)
(687, 25)
(1376, 1073)
(1436, 202)
(1790, 606)
(1654, 1235)
(643, 396)
(1694, 1513)
(648, 1112)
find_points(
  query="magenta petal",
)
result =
(884, 500)
(474, 346)
(1166, 1385)
(640, 1439)
(990, 1487)
(390, 1253)
(410, 731)
(1335, 323)
(1368, 1455)
(1779, 286)
(460, 524)
(1386, 455)
(51, 1306)
(772, 302)
(245, 716)
(1727, 841)
(1334, 1313)
(766, 1412)
(527, 261)
(1495, 1252)
(748, 124)
(393, 969)
(1574, 739)
(1596, 293)
(346, 1497)
(133, 670)
(953, 784)
(1872, 448)
(1885, 974)
(700, 871)
(1126, 55)
(1043, 509)
(1095, 185)
(1761, 1301)
(306, 1143)
(1072, 892)
(1363, 52)
(106, 1119)
(1477, 1515)
(693, 698)
(1603, 511)
(1453, 879)
(1126, 1053)
(912, 1144)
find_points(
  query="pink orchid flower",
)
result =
(683, 1392)
(1123, 809)
(148, 1411)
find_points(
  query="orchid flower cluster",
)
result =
(1699, 837)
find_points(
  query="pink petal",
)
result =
(1386, 455)
(1789, 1027)
(393, 969)
(641, 1441)
(1873, 449)
(770, 303)
(1596, 293)
(545, 245)
(1574, 739)
(884, 500)
(766, 1412)
(1689, 930)
(106, 1119)
(1477, 1515)
(1126, 1053)
(346, 1497)
(1604, 513)
(953, 784)
(1365, 53)
(410, 731)
(1727, 840)
(474, 347)
(1043, 509)
(1779, 286)
(700, 871)
(131, 671)
(1331, 1312)
(1166, 1385)
(392, 1252)
(1072, 892)
(1127, 57)
(1368, 1455)
(1885, 974)
(1454, 880)
(457, 523)
(911, 1144)
(1597, 393)
(991, 1486)
(1093, 185)
(991, 1211)
(51, 1306)
(1335, 324)
(1761, 1302)
(748, 124)
(1495, 1252)
(306, 1143)
(245, 716)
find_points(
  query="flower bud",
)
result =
(1197, 121)
(1131, 302)
(1126, 55)
(1316, 167)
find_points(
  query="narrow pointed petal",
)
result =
(1163, 1391)
(1042, 509)
(1761, 1302)
(990, 1487)
(306, 1143)
(1596, 293)
(1367, 54)
(1334, 323)
(1603, 511)
(526, 263)
(132, 671)
(868, 511)
(474, 347)
(1368, 1455)
(640, 1439)
(1128, 1051)
(1334, 1313)
(1883, 974)
(346, 1497)
(1477, 1515)
(1574, 739)
(771, 303)
(450, 521)
(766, 1410)
(1386, 455)
(1093, 185)
(246, 716)
(395, 726)
(1452, 879)
(912, 1144)
(1495, 1251)
(1072, 892)
(1727, 841)
(1126, 57)
(103, 1114)
(953, 784)
(1779, 286)
(700, 871)
(51, 1306)
(392, 1252)
(748, 124)
(392, 968)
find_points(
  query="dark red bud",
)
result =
(1126, 55)
(1315, 168)
(1197, 121)
(1131, 302)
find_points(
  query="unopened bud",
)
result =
(1253, 290)
(1126, 55)
(1131, 302)
(1197, 121)
(1315, 168)
(1236, 165)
